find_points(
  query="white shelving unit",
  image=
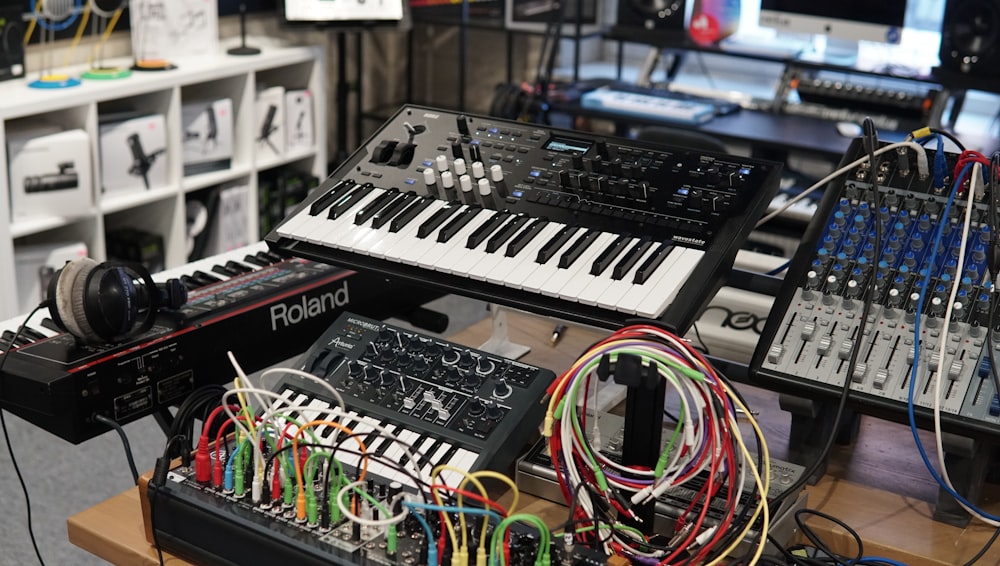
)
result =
(160, 210)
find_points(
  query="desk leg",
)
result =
(812, 425)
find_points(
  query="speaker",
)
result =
(110, 301)
(651, 15)
(970, 37)
(11, 43)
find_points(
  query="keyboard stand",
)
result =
(499, 343)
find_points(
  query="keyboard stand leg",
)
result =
(499, 343)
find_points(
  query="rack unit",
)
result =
(160, 209)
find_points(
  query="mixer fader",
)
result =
(814, 326)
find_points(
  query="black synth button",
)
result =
(480, 234)
(525, 237)
(652, 262)
(205, 278)
(237, 266)
(330, 197)
(449, 230)
(254, 260)
(456, 150)
(553, 246)
(223, 270)
(190, 283)
(608, 255)
(579, 246)
(475, 154)
(437, 219)
(630, 258)
(366, 212)
(506, 232)
(414, 207)
(348, 201)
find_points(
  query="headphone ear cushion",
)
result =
(68, 297)
(78, 307)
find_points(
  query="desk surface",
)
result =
(877, 485)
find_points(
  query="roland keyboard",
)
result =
(556, 222)
(250, 301)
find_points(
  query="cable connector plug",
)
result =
(203, 462)
(705, 536)
(547, 425)
(642, 495)
(257, 488)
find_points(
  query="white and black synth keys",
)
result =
(561, 223)
(447, 403)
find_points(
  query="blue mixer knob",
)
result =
(894, 244)
(917, 242)
(839, 219)
(979, 253)
(924, 223)
(984, 234)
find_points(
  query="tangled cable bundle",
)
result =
(704, 452)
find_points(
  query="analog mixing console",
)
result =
(557, 222)
(813, 328)
(446, 405)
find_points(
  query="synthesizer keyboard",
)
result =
(665, 107)
(557, 222)
(250, 301)
(814, 324)
(451, 405)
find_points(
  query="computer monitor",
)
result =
(345, 12)
(848, 20)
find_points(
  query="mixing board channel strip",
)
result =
(813, 325)
(563, 223)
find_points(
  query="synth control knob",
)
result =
(602, 149)
(388, 378)
(465, 360)
(372, 374)
(478, 169)
(430, 179)
(472, 381)
(475, 153)
(452, 376)
(459, 165)
(404, 359)
(456, 150)
(433, 351)
(450, 356)
(502, 389)
(485, 366)
(441, 162)
(577, 159)
(463, 125)
(494, 412)
(355, 370)
(476, 407)
(385, 336)
(419, 367)
(387, 357)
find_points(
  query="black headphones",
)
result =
(110, 301)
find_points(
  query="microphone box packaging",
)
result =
(34, 266)
(208, 135)
(50, 172)
(133, 154)
(269, 124)
(298, 120)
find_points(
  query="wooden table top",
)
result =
(877, 485)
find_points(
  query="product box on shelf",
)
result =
(134, 154)
(269, 131)
(227, 229)
(208, 135)
(298, 120)
(34, 266)
(135, 245)
(50, 172)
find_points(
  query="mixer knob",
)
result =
(388, 378)
(478, 169)
(616, 166)
(502, 389)
(430, 178)
(456, 150)
(459, 165)
(475, 153)
(825, 343)
(419, 367)
(441, 162)
(564, 177)
(372, 374)
(433, 350)
(463, 125)
(602, 148)
(577, 159)
(404, 359)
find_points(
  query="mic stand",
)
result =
(243, 49)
